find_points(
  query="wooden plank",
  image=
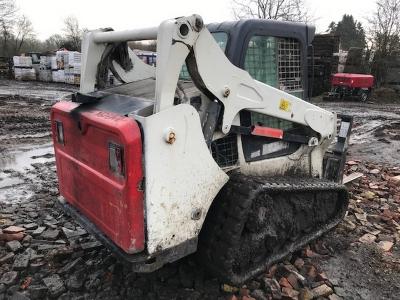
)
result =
(352, 177)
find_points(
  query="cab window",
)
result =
(277, 62)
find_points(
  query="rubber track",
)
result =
(220, 236)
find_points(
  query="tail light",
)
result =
(116, 159)
(60, 132)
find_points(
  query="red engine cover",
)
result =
(114, 203)
(353, 80)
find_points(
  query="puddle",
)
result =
(10, 182)
(16, 193)
(362, 133)
(21, 160)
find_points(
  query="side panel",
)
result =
(182, 178)
(112, 201)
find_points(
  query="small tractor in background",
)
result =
(351, 86)
(211, 150)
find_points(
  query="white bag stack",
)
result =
(69, 78)
(45, 62)
(77, 69)
(16, 61)
(72, 67)
(45, 75)
(58, 76)
(60, 55)
(44, 72)
(71, 58)
(24, 74)
(64, 66)
(53, 63)
(22, 61)
(23, 68)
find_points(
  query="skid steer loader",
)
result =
(202, 157)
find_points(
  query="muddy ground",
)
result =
(55, 258)
(376, 130)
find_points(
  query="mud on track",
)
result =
(22, 121)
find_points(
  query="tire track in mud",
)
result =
(23, 120)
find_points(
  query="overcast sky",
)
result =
(47, 15)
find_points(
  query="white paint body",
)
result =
(182, 177)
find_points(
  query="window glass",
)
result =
(289, 66)
(277, 62)
(261, 60)
(221, 38)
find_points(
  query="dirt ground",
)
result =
(56, 258)
(376, 130)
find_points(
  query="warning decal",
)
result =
(285, 105)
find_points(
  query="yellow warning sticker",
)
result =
(285, 105)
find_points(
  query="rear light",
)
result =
(60, 132)
(116, 159)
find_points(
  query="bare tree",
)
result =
(385, 28)
(384, 34)
(54, 42)
(23, 31)
(8, 11)
(73, 33)
(285, 10)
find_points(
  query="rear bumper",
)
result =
(141, 262)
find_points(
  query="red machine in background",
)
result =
(351, 86)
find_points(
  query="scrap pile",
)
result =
(295, 278)
(374, 212)
(44, 253)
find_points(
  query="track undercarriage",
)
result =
(256, 221)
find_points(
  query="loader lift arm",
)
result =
(187, 39)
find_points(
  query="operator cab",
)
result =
(274, 53)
